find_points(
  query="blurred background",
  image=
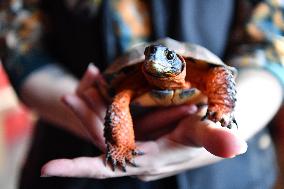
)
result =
(15, 133)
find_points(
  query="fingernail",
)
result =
(93, 68)
(243, 148)
(232, 156)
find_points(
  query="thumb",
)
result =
(220, 141)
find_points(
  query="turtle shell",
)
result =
(125, 64)
(188, 50)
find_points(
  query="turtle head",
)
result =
(162, 62)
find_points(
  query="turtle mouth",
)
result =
(159, 69)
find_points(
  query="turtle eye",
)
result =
(170, 55)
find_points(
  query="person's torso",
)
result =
(98, 31)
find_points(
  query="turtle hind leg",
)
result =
(221, 92)
(118, 131)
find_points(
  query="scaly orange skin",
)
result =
(220, 89)
(118, 131)
(216, 82)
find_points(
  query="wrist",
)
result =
(42, 92)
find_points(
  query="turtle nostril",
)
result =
(150, 50)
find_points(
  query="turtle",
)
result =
(165, 72)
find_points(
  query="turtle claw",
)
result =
(137, 152)
(235, 122)
(224, 119)
(111, 160)
(113, 164)
(120, 156)
(133, 163)
(108, 157)
(208, 115)
(205, 117)
(123, 166)
(230, 126)
(223, 122)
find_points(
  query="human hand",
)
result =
(165, 156)
(87, 105)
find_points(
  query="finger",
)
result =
(154, 134)
(94, 167)
(218, 140)
(158, 119)
(91, 75)
(78, 167)
(221, 141)
(85, 167)
(89, 119)
(95, 102)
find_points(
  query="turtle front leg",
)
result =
(221, 91)
(118, 131)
